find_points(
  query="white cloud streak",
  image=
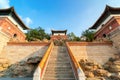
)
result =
(4, 4)
(27, 21)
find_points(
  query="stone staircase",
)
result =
(59, 67)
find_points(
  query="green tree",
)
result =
(77, 39)
(89, 35)
(37, 33)
(73, 37)
(47, 36)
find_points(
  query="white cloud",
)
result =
(114, 3)
(4, 4)
(27, 21)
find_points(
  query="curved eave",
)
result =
(11, 11)
(108, 10)
(59, 31)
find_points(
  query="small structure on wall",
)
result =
(11, 25)
(59, 34)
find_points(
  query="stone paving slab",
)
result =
(16, 78)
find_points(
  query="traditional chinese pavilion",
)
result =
(108, 23)
(11, 25)
(59, 34)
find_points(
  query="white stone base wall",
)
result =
(116, 40)
(99, 53)
(3, 40)
(21, 53)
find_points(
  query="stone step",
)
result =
(54, 78)
(59, 54)
(60, 72)
(56, 62)
(58, 59)
(58, 68)
(60, 75)
(59, 64)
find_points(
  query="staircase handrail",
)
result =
(40, 69)
(78, 70)
(46, 55)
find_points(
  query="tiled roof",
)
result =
(107, 12)
(11, 11)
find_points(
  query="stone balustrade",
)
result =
(77, 69)
(38, 74)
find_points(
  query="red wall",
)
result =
(105, 29)
(10, 29)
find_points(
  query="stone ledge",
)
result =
(89, 43)
(28, 43)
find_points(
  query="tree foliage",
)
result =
(89, 35)
(37, 33)
(73, 37)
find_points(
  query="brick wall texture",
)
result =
(99, 53)
(21, 53)
(11, 30)
(113, 23)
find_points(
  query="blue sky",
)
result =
(73, 15)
